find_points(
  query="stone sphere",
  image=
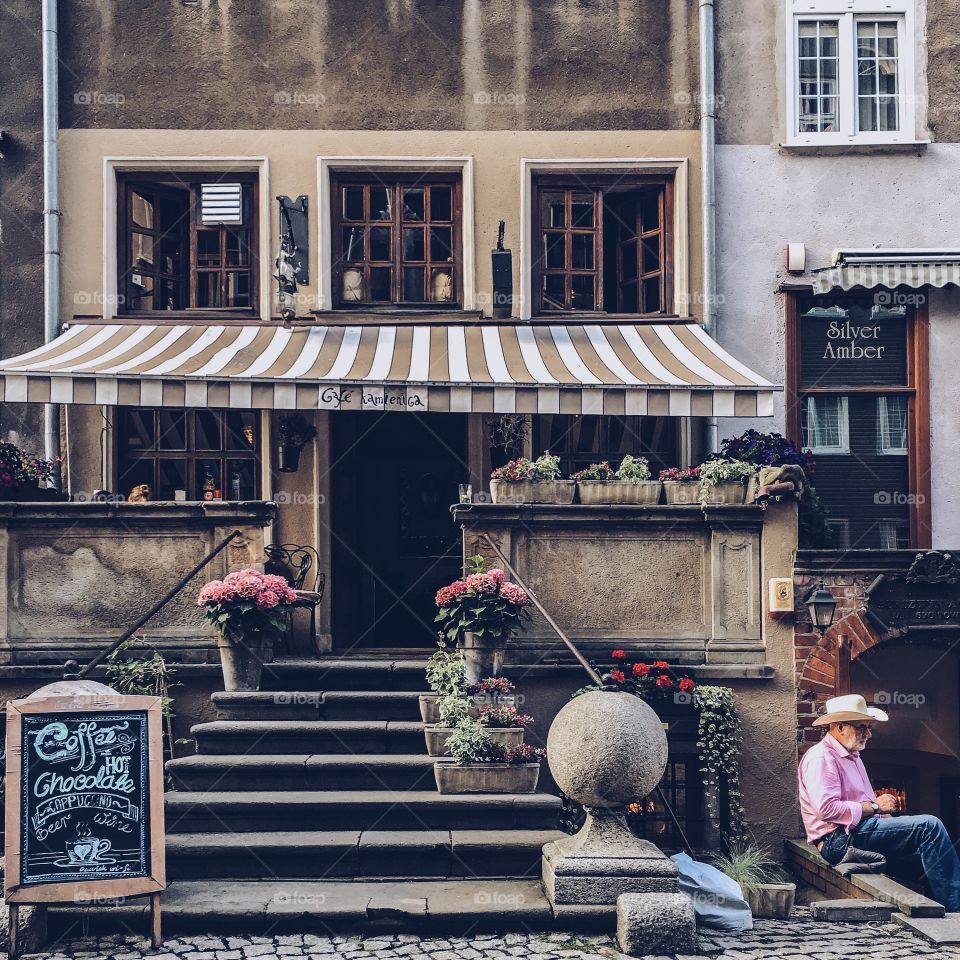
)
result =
(607, 749)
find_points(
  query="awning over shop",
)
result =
(669, 369)
(889, 269)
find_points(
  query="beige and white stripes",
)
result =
(907, 273)
(656, 369)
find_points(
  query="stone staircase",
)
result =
(322, 782)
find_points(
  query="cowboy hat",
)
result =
(851, 708)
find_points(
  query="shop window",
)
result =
(187, 243)
(852, 74)
(582, 440)
(207, 454)
(602, 245)
(858, 405)
(397, 240)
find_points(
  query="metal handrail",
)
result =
(581, 659)
(70, 667)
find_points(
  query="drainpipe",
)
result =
(708, 203)
(51, 217)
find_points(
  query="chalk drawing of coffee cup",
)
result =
(88, 850)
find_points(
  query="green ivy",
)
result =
(719, 744)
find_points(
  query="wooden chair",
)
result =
(299, 566)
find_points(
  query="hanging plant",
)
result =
(293, 434)
(719, 743)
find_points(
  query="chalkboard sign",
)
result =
(84, 796)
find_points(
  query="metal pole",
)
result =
(51, 217)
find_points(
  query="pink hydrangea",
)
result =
(267, 600)
(216, 591)
(248, 586)
(515, 595)
(498, 575)
(272, 582)
(482, 583)
(446, 595)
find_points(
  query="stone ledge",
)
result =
(852, 911)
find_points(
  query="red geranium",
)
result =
(619, 655)
(641, 669)
(686, 684)
(661, 665)
(664, 681)
(618, 675)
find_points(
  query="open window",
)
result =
(187, 242)
(396, 240)
(602, 244)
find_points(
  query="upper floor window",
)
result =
(851, 77)
(602, 244)
(187, 242)
(397, 240)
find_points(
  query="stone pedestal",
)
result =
(656, 924)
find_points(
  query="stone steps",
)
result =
(258, 811)
(308, 736)
(327, 705)
(346, 674)
(351, 853)
(303, 772)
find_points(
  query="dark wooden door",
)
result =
(395, 476)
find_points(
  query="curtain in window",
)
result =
(827, 426)
(892, 425)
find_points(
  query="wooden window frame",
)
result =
(397, 180)
(598, 182)
(190, 454)
(127, 180)
(917, 390)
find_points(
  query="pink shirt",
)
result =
(833, 785)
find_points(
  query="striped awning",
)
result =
(656, 369)
(888, 269)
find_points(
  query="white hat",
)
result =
(849, 709)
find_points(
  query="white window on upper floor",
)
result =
(850, 78)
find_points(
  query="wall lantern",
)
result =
(822, 605)
(293, 434)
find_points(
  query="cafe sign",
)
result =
(924, 598)
(853, 341)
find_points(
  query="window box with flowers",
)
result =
(630, 483)
(680, 484)
(723, 481)
(531, 481)
(22, 476)
(480, 764)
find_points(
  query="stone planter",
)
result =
(529, 491)
(771, 901)
(429, 712)
(242, 659)
(486, 777)
(725, 492)
(436, 738)
(483, 658)
(680, 491)
(618, 491)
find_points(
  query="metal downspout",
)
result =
(51, 215)
(708, 104)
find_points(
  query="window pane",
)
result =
(817, 72)
(868, 118)
(552, 209)
(877, 76)
(172, 477)
(141, 250)
(352, 291)
(238, 248)
(554, 251)
(380, 284)
(238, 289)
(139, 429)
(141, 291)
(207, 473)
(892, 425)
(651, 295)
(553, 293)
(413, 245)
(380, 207)
(413, 204)
(441, 203)
(441, 285)
(583, 293)
(651, 254)
(413, 284)
(353, 244)
(650, 210)
(380, 243)
(582, 251)
(241, 482)
(207, 431)
(353, 203)
(208, 248)
(441, 240)
(581, 210)
(134, 473)
(173, 430)
(826, 425)
(208, 290)
(141, 210)
(241, 430)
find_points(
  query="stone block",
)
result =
(31, 928)
(852, 911)
(656, 923)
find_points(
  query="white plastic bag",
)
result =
(717, 900)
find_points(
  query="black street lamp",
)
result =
(822, 604)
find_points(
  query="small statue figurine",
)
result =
(140, 493)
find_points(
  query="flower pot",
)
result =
(486, 777)
(618, 491)
(482, 657)
(242, 659)
(436, 738)
(771, 901)
(726, 492)
(429, 711)
(288, 457)
(681, 491)
(532, 491)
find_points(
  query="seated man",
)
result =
(840, 808)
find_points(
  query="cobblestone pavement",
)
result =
(800, 939)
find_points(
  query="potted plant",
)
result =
(249, 611)
(504, 724)
(493, 691)
(531, 481)
(723, 481)
(481, 765)
(764, 884)
(293, 434)
(21, 476)
(630, 483)
(446, 674)
(680, 484)
(481, 612)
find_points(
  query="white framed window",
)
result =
(892, 425)
(826, 424)
(850, 78)
(894, 535)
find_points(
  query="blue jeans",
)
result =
(908, 839)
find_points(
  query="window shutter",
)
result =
(221, 203)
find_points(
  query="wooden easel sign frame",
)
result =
(84, 801)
